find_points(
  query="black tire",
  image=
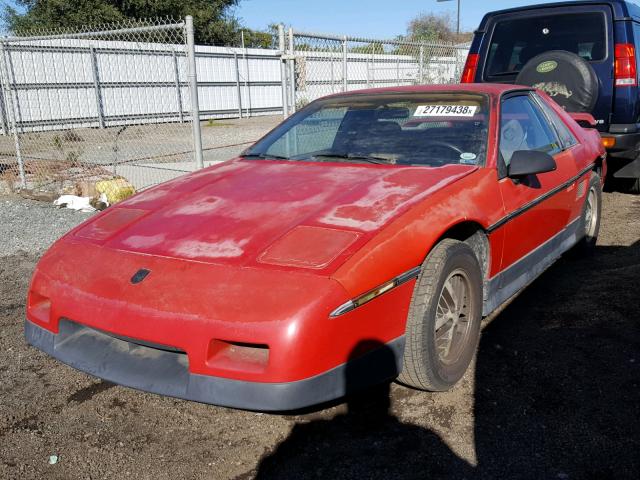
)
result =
(569, 79)
(591, 215)
(424, 366)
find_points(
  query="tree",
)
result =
(213, 20)
(373, 48)
(429, 27)
(258, 39)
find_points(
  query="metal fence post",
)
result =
(96, 86)
(238, 91)
(344, 64)
(193, 87)
(8, 97)
(421, 64)
(178, 89)
(12, 81)
(283, 71)
(333, 82)
(372, 73)
(366, 64)
(247, 82)
(3, 109)
(292, 72)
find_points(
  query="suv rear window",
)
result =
(516, 41)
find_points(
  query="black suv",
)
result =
(583, 54)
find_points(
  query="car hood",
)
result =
(296, 214)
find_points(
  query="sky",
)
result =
(362, 18)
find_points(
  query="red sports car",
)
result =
(366, 235)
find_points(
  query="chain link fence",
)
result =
(118, 101)
(88, 105)
(318, 65)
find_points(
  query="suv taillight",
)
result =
(625, 70)
(470, 68)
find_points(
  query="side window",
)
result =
(524, 127)
(567, 139)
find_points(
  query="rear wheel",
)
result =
(591, 213)
(443, 326)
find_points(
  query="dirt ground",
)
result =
(554, 395)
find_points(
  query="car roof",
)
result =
(491, 89)
(621, 9)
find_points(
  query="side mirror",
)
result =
(530, 162)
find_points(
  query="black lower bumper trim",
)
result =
(167, 373)
(629, 170)
(626, 147)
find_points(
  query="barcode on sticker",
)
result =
(445, 111)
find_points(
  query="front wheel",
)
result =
(443, 326)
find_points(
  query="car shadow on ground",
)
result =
(557, 393)
(361, 442)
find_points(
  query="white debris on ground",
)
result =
(73, 202)
(82, 204)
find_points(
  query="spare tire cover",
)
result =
(564, 76)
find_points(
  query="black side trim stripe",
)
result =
(517, 276)
(540, 199)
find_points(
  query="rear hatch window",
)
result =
(515, 41)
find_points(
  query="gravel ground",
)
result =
(29, 226)
(554, 393)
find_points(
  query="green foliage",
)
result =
(371, 48)
(213, 20)
(53, 14)
(429, 27)
(256, 39)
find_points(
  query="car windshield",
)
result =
(429, 129)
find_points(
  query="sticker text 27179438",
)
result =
(445, 111)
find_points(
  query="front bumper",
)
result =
(167, 372)
(625, 142)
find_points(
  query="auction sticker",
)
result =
(446, 111)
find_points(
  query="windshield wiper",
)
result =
(349, 156)
(503, 74)
(265, 156)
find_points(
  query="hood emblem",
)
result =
(140, 275)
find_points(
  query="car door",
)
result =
(570, 145)
(539, 207)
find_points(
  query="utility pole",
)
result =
(458, 14)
